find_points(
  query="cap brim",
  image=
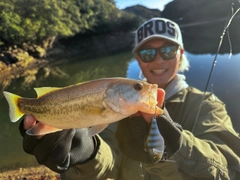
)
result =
(135, 49)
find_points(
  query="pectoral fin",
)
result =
(40, 129)
(96, 129)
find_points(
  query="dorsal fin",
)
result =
(44, 90)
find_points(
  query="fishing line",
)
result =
(227, 24)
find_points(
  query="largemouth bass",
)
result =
(94, 104)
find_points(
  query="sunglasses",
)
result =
(167, 52)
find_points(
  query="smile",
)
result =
(158, 71)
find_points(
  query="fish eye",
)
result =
(138, 86)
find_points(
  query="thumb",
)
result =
(160, 97)
(29, 121)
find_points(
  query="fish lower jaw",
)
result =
(146, 108)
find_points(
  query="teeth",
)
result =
(153, 95)
(159, 71)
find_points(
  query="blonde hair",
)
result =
(184, 66)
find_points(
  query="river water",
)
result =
(225, 83)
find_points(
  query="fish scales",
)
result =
(89, 104)
(74, 105)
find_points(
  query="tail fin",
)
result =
(14, 111)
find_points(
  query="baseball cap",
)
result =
(160, 28)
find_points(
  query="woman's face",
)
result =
(159, 71)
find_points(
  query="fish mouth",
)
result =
(151, 95)
(149, 102)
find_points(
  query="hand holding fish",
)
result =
(134, 130)
(80, 106)
(28, 122)
(56, 150)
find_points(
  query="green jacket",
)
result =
(211, 151)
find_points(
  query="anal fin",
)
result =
(96, 129)
(40, 129)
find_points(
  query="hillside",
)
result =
(202, 24)
(143, 12)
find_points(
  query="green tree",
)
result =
(35, 21)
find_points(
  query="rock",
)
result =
(10, 58)
(2, 66)
(16, 62)
(41, 53)
(4, 59)
(35, 51)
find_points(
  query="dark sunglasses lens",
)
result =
(147, 55)
(168, 52)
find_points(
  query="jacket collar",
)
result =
(175, 86)
(178, 97)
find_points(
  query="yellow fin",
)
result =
(44, 90)
(14, 111)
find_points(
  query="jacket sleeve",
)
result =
(212, 151)
(106, 162)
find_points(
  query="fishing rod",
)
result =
(227, 24)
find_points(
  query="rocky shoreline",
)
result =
(27, 60)
(19, 61)
(20, 69)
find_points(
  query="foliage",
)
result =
(37, 20)
(143, 12)
(34, 20)
(120, 21)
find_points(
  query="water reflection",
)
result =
(225, 80)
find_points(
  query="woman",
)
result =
(200, 142)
